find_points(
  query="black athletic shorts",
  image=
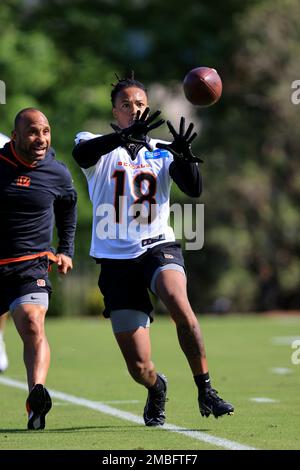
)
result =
(125, 283)
(21, 278)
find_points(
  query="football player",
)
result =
(3, 355)
(129, 176)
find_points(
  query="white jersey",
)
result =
(130, 201)
(3, 140)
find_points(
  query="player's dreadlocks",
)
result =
(125, 83)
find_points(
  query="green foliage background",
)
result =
(61, 56)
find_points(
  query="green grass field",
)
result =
(87, 364)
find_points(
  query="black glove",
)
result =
(181, 145)
(137, 132)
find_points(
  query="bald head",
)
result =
(29, 114)
(31, 135)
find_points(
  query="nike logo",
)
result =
(34, 298)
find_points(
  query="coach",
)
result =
(35, 190)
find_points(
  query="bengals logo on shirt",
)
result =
(23, 181)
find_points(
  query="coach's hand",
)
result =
(137, 132)
(64, 263)
(181, 146)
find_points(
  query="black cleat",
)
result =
(210, 402)
(38, 404)
(154, 411)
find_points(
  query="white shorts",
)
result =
(128, 320)
(36, 298)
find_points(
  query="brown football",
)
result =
(202, 86)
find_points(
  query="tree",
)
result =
(61, 56)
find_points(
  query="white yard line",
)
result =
(99, 406)
(281, 370)
(114, 402)
(284, 340)
(263, 400)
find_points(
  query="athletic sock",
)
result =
(202, 381)
(158, 387)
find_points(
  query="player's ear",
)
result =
(114, 112)
(13, 135)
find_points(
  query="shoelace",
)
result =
(156, 402)
(212, 394)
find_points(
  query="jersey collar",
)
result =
(20, 159)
